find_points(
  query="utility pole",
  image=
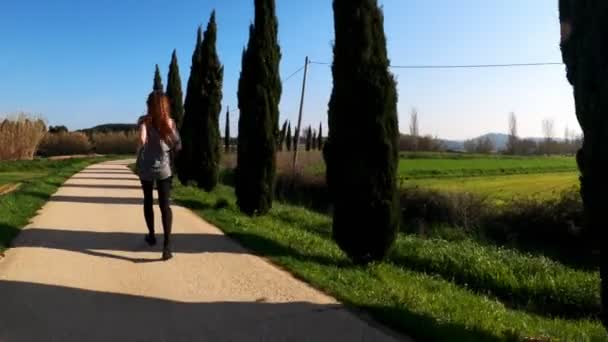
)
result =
(298, 130)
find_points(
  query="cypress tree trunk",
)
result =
(174, 91)
(288, 141)
(361, 152)
(259, 94)
(192, 110)
(212, 75)
(584, 28)
(158, 82)
(227, 132)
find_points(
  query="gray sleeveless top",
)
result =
(154, 162)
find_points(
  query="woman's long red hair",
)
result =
(159, 115)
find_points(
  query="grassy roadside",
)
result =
(430, 290)
(17, 208)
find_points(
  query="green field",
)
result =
(474, 166)
(504, 188)
(499, 177)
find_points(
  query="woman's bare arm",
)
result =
(178, 140)
(143, 135)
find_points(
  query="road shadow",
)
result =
(30, 313)
(102, 186)
(134, 178)
(106, 171)
(112, 168)
(106, 244)
(99, 200)
(101, 243)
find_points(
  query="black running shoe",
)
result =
(151, 239)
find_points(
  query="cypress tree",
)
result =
(158, 82)
(174, 91)
(361, 152)
(320, 138)
(288, 138)
(259, 94)
(584, 28)
(212, 75)
(315, 139)
(227, 132)
(192, 109)
(308, 138)
(296, 139)
(282, 136)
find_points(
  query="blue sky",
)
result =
(82, 63)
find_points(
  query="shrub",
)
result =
(421, 208)
(20, 137)
(64, 144)
(115, 143)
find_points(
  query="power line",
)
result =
(283, 81)
(293, 74)
(464, 66)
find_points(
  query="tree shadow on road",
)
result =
(30, 313)
(103, 243)
(106, 178)
(113, 245)
(102, 186)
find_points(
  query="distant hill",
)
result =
(110, 128)
(453, 145)
(499, 140)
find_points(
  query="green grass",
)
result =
(429, 289)
(17, 177)
(40, 178)
(502, 178)
(410, 168)
(504, 188)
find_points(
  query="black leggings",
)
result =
(164, 191)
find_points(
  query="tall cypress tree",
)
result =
(174, 91)
(288, 138)
(315, 139)
(361, 151)
(584, 28)
(259, 94)
(308, 138)
(192, 109)
(212, 75)
(282, 136)
(320, 138)
(227, 132)
(158, 81)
